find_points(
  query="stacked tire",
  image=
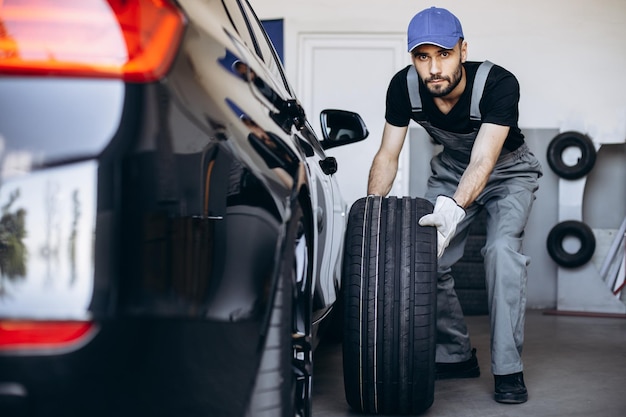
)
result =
(571, 228)
(389, 287)
(469, 271)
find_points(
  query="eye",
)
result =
(445, 54)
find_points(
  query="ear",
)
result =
(463, 51)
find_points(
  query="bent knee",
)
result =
(502, 246)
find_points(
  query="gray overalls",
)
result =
(508, 198)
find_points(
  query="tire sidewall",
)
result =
(566, 140)
(574, 229)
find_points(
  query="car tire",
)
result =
(283, 384)
(469, 271)
(585, 162)
(389, 284)
(469, 275)
(473, 301)
(578, 230)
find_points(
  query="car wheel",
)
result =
(283, 384)
(578, 230)
(390, 284)
(566, 140)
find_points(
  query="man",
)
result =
(472, 110)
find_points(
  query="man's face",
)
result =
(440, 69)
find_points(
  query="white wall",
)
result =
(570, 59)
(569, 55)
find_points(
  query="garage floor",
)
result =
(574, 366)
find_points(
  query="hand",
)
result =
(445, 217)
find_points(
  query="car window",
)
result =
(255, 39)
(239, 23)
(309, 136)
(266, 48)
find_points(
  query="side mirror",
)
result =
(341, 127)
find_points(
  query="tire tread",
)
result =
(390, 296)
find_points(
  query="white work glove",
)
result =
(445, 217)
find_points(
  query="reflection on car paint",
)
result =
(228, 62)
(46, 243)
(288, 112)
(46, 137)
(221, 229)
(278, 156)
(240, 69)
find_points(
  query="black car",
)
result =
(170, 230)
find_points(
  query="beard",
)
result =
(440, 90)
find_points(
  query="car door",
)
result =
(271, 87)
(329, 214)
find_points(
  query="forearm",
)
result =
(485, 152)
(385, 164)
(382, 174)
(472, 183)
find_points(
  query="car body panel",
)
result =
(48, 273)
(158, 214)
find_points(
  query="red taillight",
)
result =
(42, 335)
(132, 40)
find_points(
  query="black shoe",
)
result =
(510, 389)
(465, 369)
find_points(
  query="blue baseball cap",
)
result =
(434, 26)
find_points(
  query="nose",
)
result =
(435, 67)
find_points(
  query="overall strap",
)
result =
(412, 83)
(477, 90)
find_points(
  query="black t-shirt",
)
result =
(499, 104)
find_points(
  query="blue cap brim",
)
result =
(447, 42)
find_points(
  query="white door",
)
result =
(352, 72)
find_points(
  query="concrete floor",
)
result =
(574, 367)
